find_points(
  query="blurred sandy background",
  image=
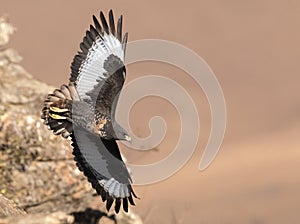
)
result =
(253, 48)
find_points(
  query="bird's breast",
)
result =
(101, 124)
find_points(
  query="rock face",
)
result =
(6, 29)
(9, 208)
(37, 168)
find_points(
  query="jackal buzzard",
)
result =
(84, 110)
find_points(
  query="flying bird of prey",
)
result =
(84, 111)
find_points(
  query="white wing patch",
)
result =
(114, 188)
(92, 69)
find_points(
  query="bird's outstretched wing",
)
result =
(101, 162)
(98, 70)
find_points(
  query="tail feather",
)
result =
(65, 90)
(57, 110)
(58, 93)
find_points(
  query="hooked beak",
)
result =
(127, 138)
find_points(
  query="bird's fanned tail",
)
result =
(57, 111)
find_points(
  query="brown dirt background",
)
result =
(253, 48)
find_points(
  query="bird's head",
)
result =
(120, 133)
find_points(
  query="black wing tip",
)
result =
(110, 14)
(119, 202)
(125, 38)
(125, 204)
(112, 22)
(93, 32)
(109, 202)
(119, 28)
(104, 22)
(117, 205)
(95, 19)
(97, 24)
(124, 41)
